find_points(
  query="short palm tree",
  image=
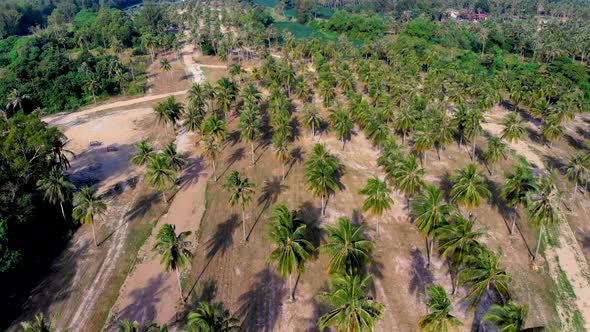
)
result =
(225, 92)
(407, 177)
(457, 240)
(430, 212)
(482, 273)
(507, 318)
(250, 128)
(240, 191)
(212, 318)
(88, 206)
(347, 247)
(281, 150)
(513, 127)
(287, 232)
(470, 187)
(378, 198)
(38, 325)
(165, 65)
(439, 319)
(578, 169)
(543, 208)
(311, 118)
(214, 127)
(351, 308)
(56, 188)
(341, 124)
(518, 184)
(174, 159)
(551, 130)
(160, 174)
(174, 250)
(321, 173)
(212, 152)
(143, 153)
(168, 111)
(496, 150)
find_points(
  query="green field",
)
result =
(302, 31)
(267, 3)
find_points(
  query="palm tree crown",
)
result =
(347, 247)
(87, 206)
(240, 191)
(213, 318)
(507, 318)
(56, 188)
(173, 249)
(378, 198)
(470, 187)
(439, 319)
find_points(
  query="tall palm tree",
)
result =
(507, 318)
(496, 150)
(473, 127)
(168, 111)
(321, 173)
(160, 173)
(226, 92)
(212, 151)
(287, 231)
(143, 153)
(281, 150)
(209, 93)
(213, 318)
(250, 128)
(342, 125)
(518, 184)
(56, 188)
(88, 206)
(311, 118)
(352, 309)
(430, 211)
(578, 169)
(482, 273)
(174, 159)
(543, 208)
(407, 177)
(174, 250)
(193, 118)
(378, 198)
(214, 127)
(196, 95)
(470, 187)
(38, 325)
(551, 130)
(457, 240)
(439, 319)
(347, 247)
(240, 192)
(513, 127)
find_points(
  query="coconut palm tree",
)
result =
(38, 325)
(496, 150)
(578, 169)
(250, 94)
(430, 211)
(404, 121)
(287, 232)
(424, 141)
(407, 177)
(88, 206)
(168, 111)
(507, 318)
(347, 247)
(16, 99)
(513, 128)
(160, 174)
(250, 128)
(351, 308)
(193, 118)
(214, 127)
(196, 95)
(174, 250)
(473, 127)
(457, 240)
(240, 191)
(543, 208)
(174, 159)
(551, 130)
(518, 184)
(225, 92)
(209, 93)
(143, 153)
(212, 318)
(56, 188)
(378, 198)
(212, 151)
(281, 150)
(482, 273)
(128, 326)
(166, 66)
(341, 124)
(439, 319)
(470, 187)
(321, 173)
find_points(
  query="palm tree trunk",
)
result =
(252, 150)
(513, 223)
(313, 129)
(62, 211)
(474, 140)
(378, 217)
(291, 293)
(179, 283)
(94, 234)
(427, 250)
(283, 167)
(323, 206)
(538, 243)
(214, 176)
(244, 224)
(164, 196)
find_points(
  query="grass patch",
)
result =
(564, 284)
(303, 31)
(266, 3)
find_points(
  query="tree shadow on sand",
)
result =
(269, 194)
(261, 306)
(421, 276)
(192, 172)
(315, 233)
